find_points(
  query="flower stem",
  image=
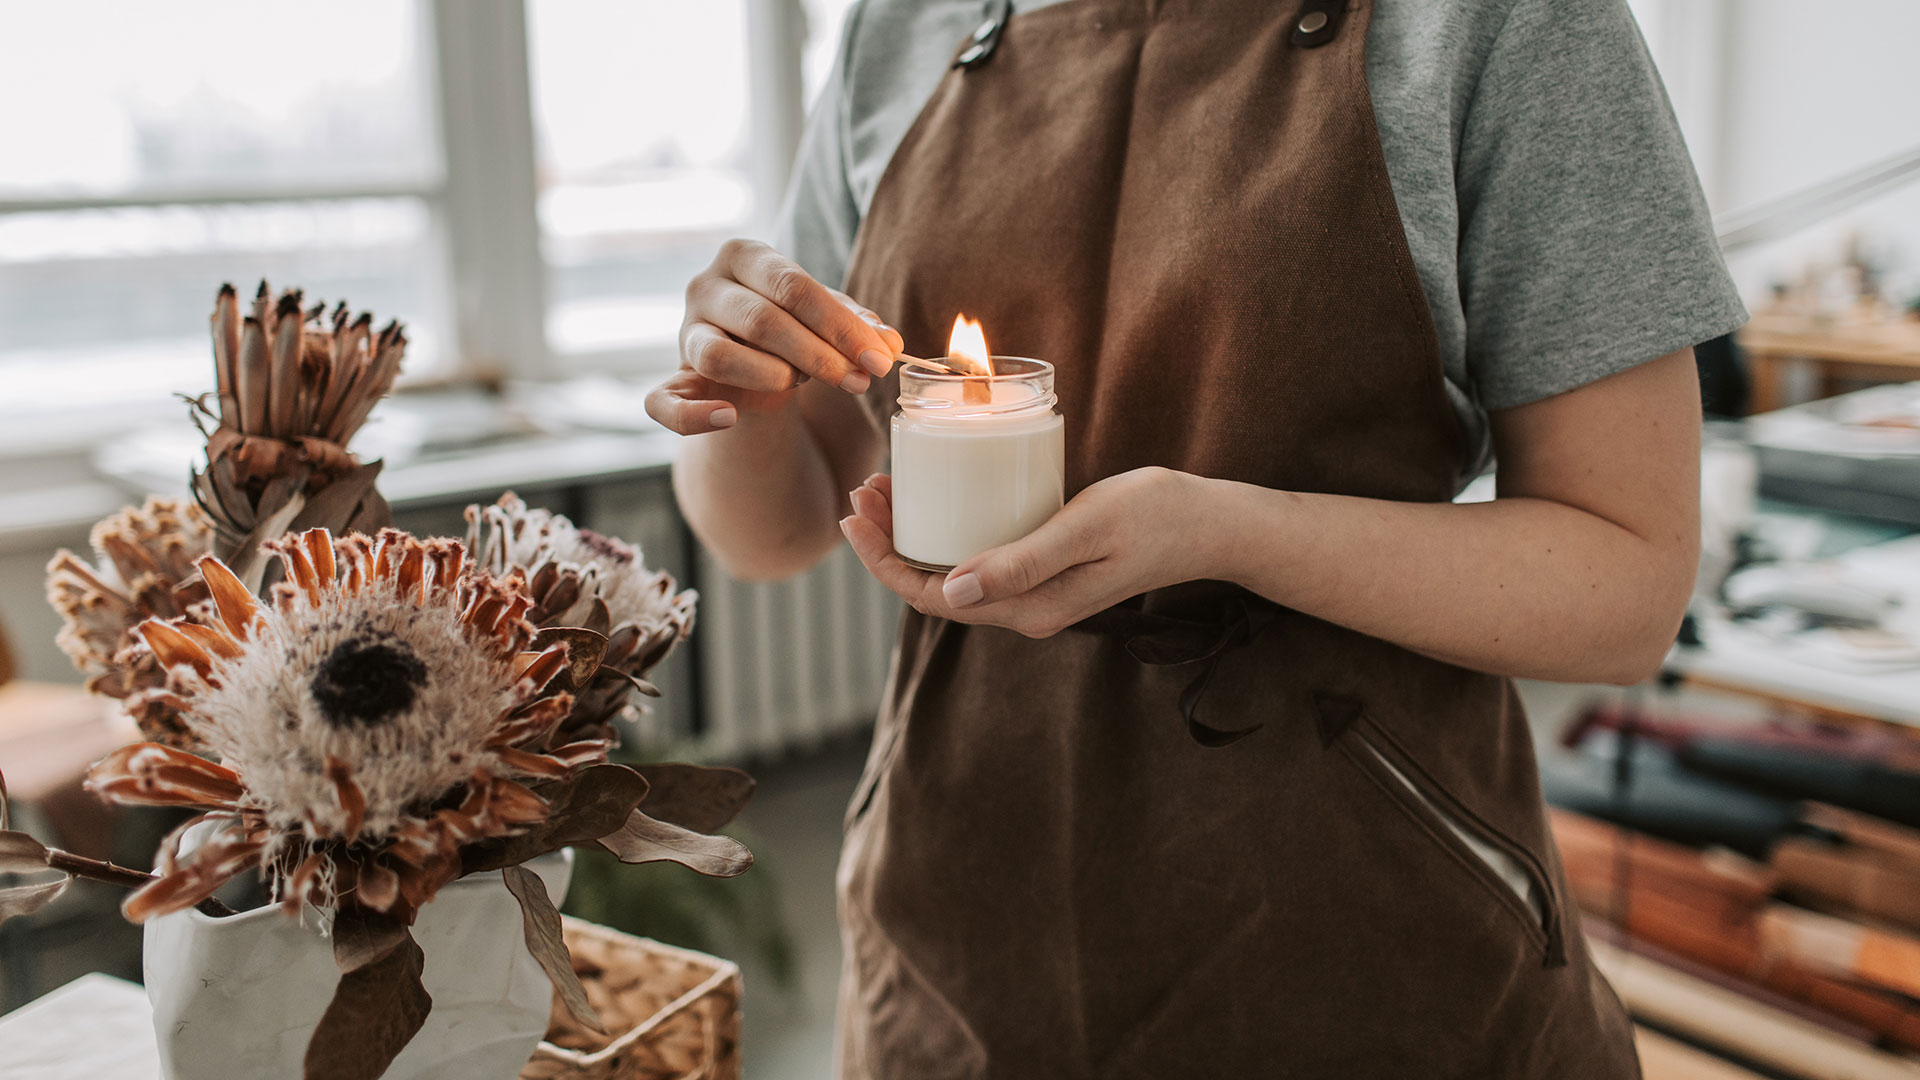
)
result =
(98, 870)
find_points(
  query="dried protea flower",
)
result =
(387, 724)
(143, 568)
(578, 577)
(291, 393)
(368, 723)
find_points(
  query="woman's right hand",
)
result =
(758, 326)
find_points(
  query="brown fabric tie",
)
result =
(1170, 641)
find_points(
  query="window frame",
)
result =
(484, 227)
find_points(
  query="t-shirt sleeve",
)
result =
(819, 216)
(1585, 242)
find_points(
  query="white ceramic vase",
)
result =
(240, 996)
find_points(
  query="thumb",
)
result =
(1016, 568)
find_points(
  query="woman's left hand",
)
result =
(1123, 536)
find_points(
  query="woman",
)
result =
(1220, 773)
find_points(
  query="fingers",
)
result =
(874, 546)
(770, 328)
(1038, 612)
(870, 502)
(855, 343)
(708, 350)
(688, 403)
(1020, 567)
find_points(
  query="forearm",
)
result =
(762, 496)
(1518, 586)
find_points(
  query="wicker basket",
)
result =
(675, 1013)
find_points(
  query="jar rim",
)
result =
(1018, 367)
(930, 393)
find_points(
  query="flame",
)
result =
(967, 347)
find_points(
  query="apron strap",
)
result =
(1168, 640)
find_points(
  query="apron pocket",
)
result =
(1509, 875)
(886, 742)
(900, 1026)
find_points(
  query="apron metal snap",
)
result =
(986, 37)
(1319, 23)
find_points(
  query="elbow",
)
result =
(771, 559)
(1636, 664)
(1641, 650)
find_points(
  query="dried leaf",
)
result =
(637, 682)
(249, 563)
(541, 922)
(380, 1003)
(595, 802)
(585, 649)
(599, 619)
(698, 797)
(21, 854)
(27, 899)
(643, 839)
(374, 514)
(333, 507)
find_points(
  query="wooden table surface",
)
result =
(1885, 350)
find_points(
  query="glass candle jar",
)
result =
(974, 466)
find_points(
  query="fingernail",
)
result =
(856, 382)
(877, 362)
(726, 417)
(845, 527)
(963, 590)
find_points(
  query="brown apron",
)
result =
(1048, 872)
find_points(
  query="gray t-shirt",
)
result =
(1544, 187)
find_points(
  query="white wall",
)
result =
(1780, 95)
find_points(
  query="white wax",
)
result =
(965, 483)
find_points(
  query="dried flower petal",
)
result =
(148, 774)
(143, 569)
(578, 578)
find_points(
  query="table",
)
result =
(95, 1026)
(1887, 351)
(1749, 664)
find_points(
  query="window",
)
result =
(641, 127)
(181, 148)
(368, 150)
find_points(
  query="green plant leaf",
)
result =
(541, 921)
(643, 839)
(380, 1003)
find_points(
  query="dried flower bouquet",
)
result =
(385, 715)
(387, 722)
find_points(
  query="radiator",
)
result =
(770, 669)
(786, 666)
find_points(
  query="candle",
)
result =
(979, 460)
